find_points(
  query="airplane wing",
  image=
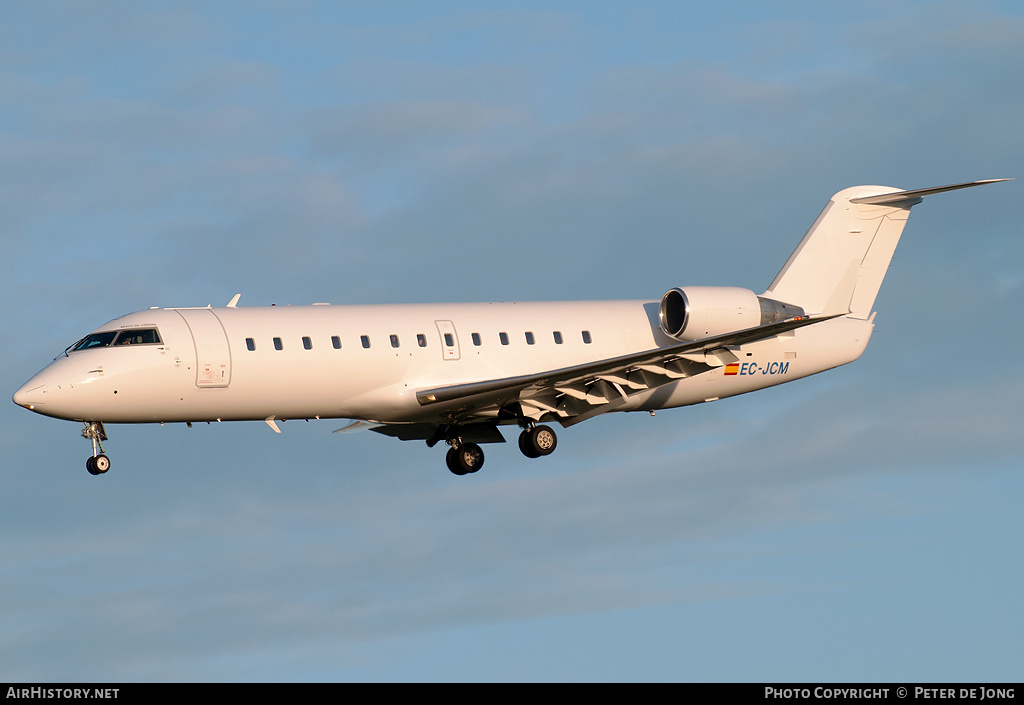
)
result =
(580, 392)
(357, 426)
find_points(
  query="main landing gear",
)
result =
(98, 463)
(466, 458)
(537, 441)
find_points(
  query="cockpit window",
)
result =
(96, 340)
(138, 336)
(134, 336)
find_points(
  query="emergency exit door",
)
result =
(449, 340)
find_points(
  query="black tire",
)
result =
(465, 459)
(526, 445)
(98, 465)
(452, 463)
(540, 440)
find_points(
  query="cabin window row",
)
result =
(307, 342)
(531, 339)
(421, 340)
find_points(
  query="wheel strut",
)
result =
(98, 463)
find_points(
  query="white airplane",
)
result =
(456, 372)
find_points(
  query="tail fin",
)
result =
(839, 265)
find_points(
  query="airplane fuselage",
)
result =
(366, 362)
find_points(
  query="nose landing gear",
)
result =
(98, 463)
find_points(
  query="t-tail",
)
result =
(839, 265)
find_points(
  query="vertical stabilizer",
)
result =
(839, 265)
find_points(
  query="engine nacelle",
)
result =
(695, 312)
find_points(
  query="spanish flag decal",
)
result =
(732, 369)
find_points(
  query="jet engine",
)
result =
(695, 312)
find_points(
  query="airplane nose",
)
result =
(31, 395)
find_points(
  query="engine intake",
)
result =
(696, 312)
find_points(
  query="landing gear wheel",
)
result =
(526, 445)
(537, 441)
(465, 459)
(452, 464)
(98, 465)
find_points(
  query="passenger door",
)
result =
(213, 357)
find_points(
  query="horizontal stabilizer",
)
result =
(918, 194)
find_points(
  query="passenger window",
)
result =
(529, 338)
(307, 342)
(586, 337)
(503, 337)
(277, 344)
(476, 339)
(449, 340)
(394, 341)
(365, 340)
(336, 342)
(558, 337)
(421, 340)
(250, 344)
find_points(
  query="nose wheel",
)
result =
(98, 463)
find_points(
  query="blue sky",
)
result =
(860, 525)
